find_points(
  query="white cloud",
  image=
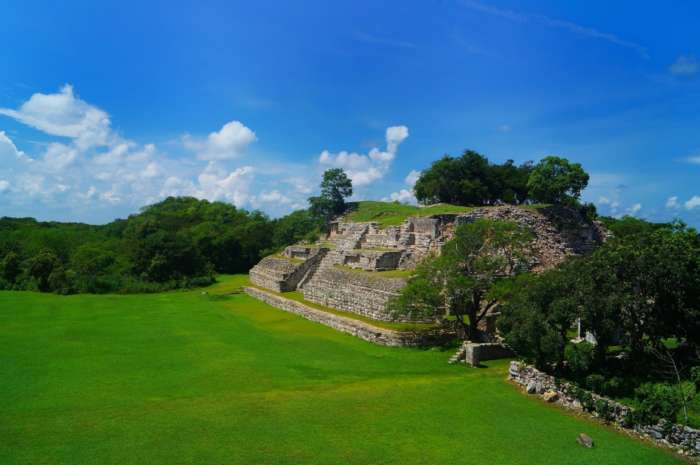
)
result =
(672, 203)
(403, 196)
(273, 197)
(602, 200)
(694, 160)
(226, 144)
(4, 185)
(634, 209)
(692, 203)
(63, 114)
(685, 65)
(366, 169)
(525, 17)
(412, 178)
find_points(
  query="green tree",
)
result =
(41, 267)
(10, 268)
(539, 314)
(463, 278)
(556, 180)
(335, 188)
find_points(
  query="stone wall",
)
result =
(372, 260)
(683, 439)
(355, 292)
(376, 335)
(280, 274)
(475, 353)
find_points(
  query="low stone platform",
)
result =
(366, 331)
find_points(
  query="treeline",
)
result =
(472, 179)
(637, 301)
(179, 242)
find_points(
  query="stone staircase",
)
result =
(320, 257)
(352, 238)
(459, 356)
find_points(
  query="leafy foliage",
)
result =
(335, 187)
(556, 180)
(472, 180)
(461, 282)
(178, 242)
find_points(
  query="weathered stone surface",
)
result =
(558, 233)
(475, 353)
(354, 292)
(585, 440)
(381, 336)
(550, 396)
(282, 274)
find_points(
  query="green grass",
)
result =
(392, 214)
(189, 378)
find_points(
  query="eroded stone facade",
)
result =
(341, 270)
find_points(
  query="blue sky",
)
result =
(108, 106)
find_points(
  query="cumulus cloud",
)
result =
(405, 195)
(228, 143)
(634, 209)
(672, 203)
(64, 114)
(366, 169)
(692, 203)
(685, 65)
(99, 167)
(273, 197)
(412, 178)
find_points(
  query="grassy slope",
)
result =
(392, 214)
(185, 378)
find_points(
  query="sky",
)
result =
(106, 107)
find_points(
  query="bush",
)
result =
(595, 383)
(579, 358)
(604, 410)
(657, 401)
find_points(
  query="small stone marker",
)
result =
(585, 440)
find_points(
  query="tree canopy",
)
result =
(472, 180)
(335, 188)
(462, 281)
(556, 180)
(177, 242)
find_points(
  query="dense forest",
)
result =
(179, 242)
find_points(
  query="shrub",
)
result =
(595, 383)
(604, 410)
(657, 401)
(579, 357)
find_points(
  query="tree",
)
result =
(297, 226)
(462, 281)
(10, 267)
(335, 188)
(556, 180)
(42, 267)
(472, 180)
(537, 317)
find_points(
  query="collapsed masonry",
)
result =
(345, 270)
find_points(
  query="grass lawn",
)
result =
(392, 214)
(191, 378)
